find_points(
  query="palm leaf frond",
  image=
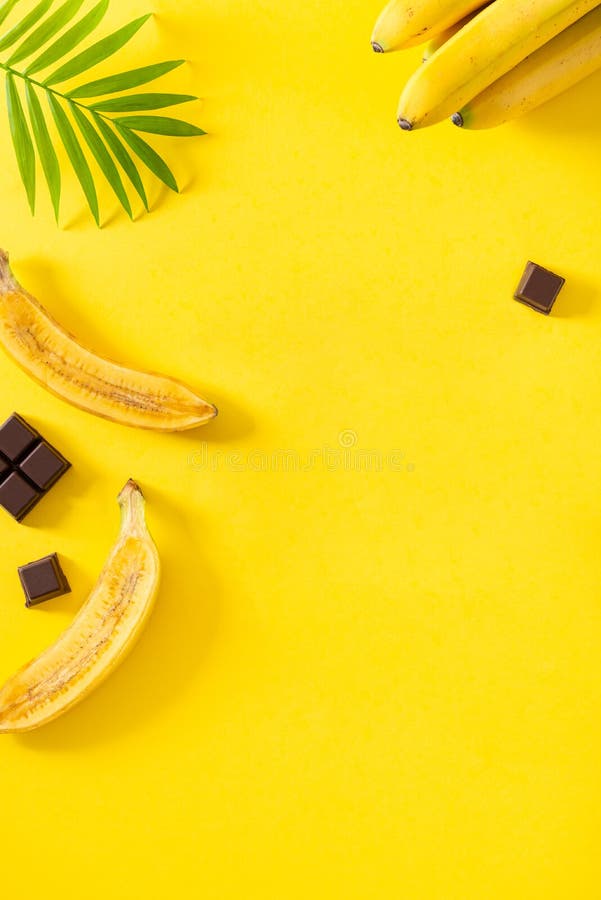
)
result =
(70, 39)
(149, 157)
(6, 8)
(46, 151)
(16, 33)
(21, 139)
(89, 127)
(75, 154)
(139, 102)
(102, 156)
(97, 53)
(46, 31)
(160, 125)
(122, 157)
(125, 80)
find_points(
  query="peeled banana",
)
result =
(566, 59)
(54, 358)
(403, 23)
(100, 636)
(495, 41)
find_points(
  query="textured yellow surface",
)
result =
(358, 684)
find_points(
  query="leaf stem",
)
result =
(45, 87)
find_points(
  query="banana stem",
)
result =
(132, 503)
(6, 276)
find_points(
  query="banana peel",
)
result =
(100, 636)
(57, 361)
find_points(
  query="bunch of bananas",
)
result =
(485, 65)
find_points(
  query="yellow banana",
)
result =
(568, 58)
(403, 23)
(436, 43)
(57, 361)
(495, 41)
(100, 636)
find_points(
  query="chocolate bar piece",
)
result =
(43, 465)
(29, 466)
(18, 496)
(539, 288)
(43, 580)
(16, 436)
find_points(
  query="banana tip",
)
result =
(377, 48)
(405, 124)
(129, 487)
(457, 119)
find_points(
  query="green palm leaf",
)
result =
(160, 125)
(122, 157)
(46, 30)
(12, 36)
(75, 154)
(102, 156)
(138, 102)
(97, 52)
(46, 151)
(87, 117)
(21, 139)
(70, 39)
(125, 80)
(6, 8)
(149, 157)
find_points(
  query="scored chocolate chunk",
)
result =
(539, 288)
(43, 580)
(44, 465)
(29, 466)
(18, 496)
(16, 437)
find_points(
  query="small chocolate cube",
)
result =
(539, 288)
(29, 466)
(16, 437)
(44, 465)
(18, 496)
(43, 580)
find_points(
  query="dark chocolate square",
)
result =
(29, 466)
(44, 465)
(18, 496)
(43, 580)
(539, 288)
(16, 437)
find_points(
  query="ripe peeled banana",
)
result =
(566, 59)
(495, 41)
(100, 636)
(55, 359)
(403, 23)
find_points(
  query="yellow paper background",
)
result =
(357, 684)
